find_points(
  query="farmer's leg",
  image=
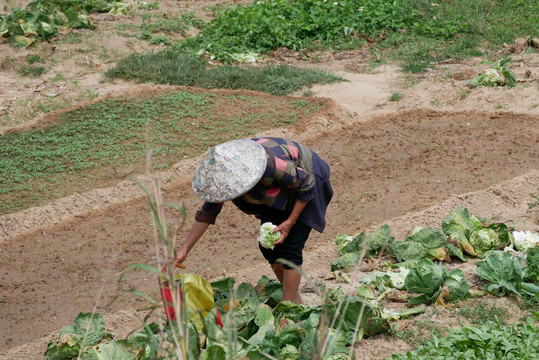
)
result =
(290, 279)
(291, 251)
(279, 271)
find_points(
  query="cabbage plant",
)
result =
(498, 75)
(391, 279)
(353, 249)
(504, 275)
(484, 240)
(436, 284)
(473, 235)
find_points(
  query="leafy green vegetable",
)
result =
(251, 329)
(377, 241)
(267, 237)
(369, 315)
(472, 235)
(422, 243)
(504, 274)
(390, 278)
(290, 352)
(484, 240)
(455, 252)
(222, 292)
(426, 279)
(353, 249)
(266, 25)
(488, 341)
(498, 75)
(270, 292)
(457, 286)
(525, 240)
(110, 350)
(342, 241)
(435, 283)
(42, 18)
(457, 225)
(263, 315)
(346, 261)
(87, 337)
(4, 24)
(531, 272)
(365, 292)
(370, 244)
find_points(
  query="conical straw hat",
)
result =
(229, 170)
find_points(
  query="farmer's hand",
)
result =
(180, 258)
(178, 261)
(284, 228)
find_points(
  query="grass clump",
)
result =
(96, 146)
(174, 67)
(156, 27)
(458, 29)
(483, 311)
(32, 70)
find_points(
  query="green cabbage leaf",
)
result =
(422, 243)
(504, 275)
(353, 249)
(473, 235)
(436, 284)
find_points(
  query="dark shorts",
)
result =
(292, 247)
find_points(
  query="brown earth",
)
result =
(382, 169)
(405, 163)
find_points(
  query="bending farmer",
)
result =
(278, 181)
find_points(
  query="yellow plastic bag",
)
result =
(194, 290)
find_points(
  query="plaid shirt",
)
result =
(288, 177)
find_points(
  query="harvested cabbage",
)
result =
(498, 75)
(267, 237)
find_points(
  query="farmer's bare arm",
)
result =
(198, 229)
(285, 227)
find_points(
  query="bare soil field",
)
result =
(406, 163)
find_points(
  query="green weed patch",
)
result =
(99, 145)
(457, 30)
(173, 67)
(156, 28)
(482, 311)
